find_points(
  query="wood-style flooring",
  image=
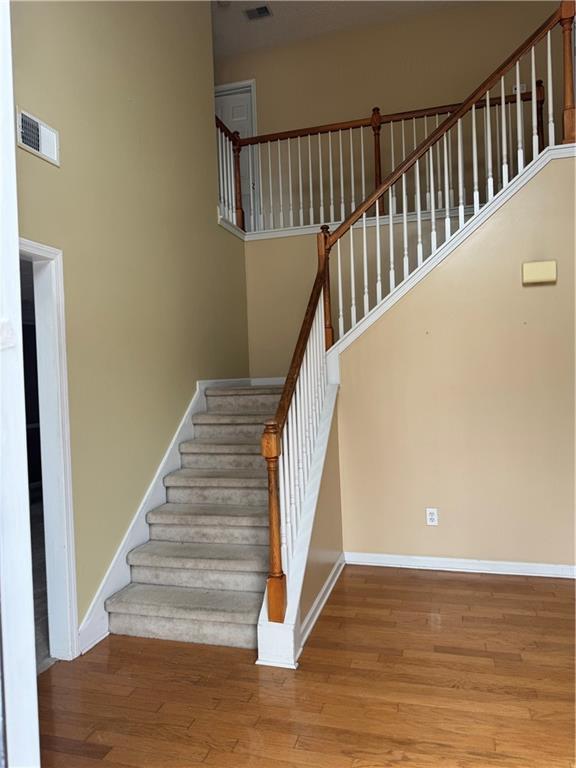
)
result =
(404, 669)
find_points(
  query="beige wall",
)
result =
(155, 290)
(461, 397)
(434, 57)
(326, 542)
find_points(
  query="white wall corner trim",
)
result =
(94, 627)
(281, 644)
(320, 601)
(464, 565)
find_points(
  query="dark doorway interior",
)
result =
(43, 659)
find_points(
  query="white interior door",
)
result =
(235, 106)
(16, 596)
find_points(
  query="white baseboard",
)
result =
(464, 565)
(318, 604)
(94, 626)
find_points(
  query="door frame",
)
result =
(242, 86)
(16, 593)
(47, 264)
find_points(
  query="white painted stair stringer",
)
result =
(530, 171)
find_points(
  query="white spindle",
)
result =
(365, 265)
(301, 201)
(460, 177)
(505, 176)
(450, 170)
(352, 280)
(352, 179)
(270, 188)
(428, 161)
(331, 176)
(391, 238)
(433, 236)
(285, 500)
(280, 195)
(439, 167)
(260, 189)
(446, 189)
(476, 191)
(414, 147)
(378, 255)
(519, 121)
(510, 145)
(393, 161)
(311, 207)
(340, 298)
(498, 110)
(251, 182)
(226, 177)
(218, 144)
(405, 261)
(342, 203)
(363, 164)
(231, 181)
(534, 105)
(419, 250)
(320, 179)
(549, 95)
(290, 193)
(488, 149)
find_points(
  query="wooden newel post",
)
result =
(237, 148)
(540, 113)
(324, 265)
(567, 10)
(276, 583)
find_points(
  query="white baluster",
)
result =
(428, 161)
(340, 298)
(301, 205)
(460, 177)
(311, 209)
(280, 185)
(498, 148)
(321, 180)
(285, 500)
(419, 249)
(218, 147)
(433, 236)
(549, 95)
(331, 177)
(365, 265)
(405, 261)
(510, 145)
(260, 189)
(439, 167)
(450, 169)
(446, 189)
(342, 203)
(352, 179)
(393, 159)
(290, 193)
(231, 181)
(534, 106)
(378, 256)
(293, 473)
(488, 148)
(352, 281)
(270, 189)
(476, 191)
(505, 177)
(414, 147)
(251, 182)
(391, 237)
(519, 121)
(363, 164)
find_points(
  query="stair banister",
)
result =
(567, 11)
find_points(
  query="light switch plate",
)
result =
(539, 272)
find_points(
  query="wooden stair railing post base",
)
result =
(271, 449)
(567, 10)
(324, 267)
(237, 148)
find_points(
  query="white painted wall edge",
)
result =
(316, 609)
(94, 626)
(464, 565)
(281, 644)
(550, 153)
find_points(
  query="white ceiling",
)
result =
(294, 20)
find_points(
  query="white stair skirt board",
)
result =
(280, 645)
(549, 154)
(504, 567)
(94, 626)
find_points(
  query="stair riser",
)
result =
(208, 632)
(208, 495)
(222, 461)
(229, 430)
(241, 581)
(221, 534)
(265, 404)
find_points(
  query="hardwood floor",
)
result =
(404, 668)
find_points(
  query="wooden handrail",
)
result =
(393, 117)
(225, 130)
(444, 127)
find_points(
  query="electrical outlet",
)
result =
(431, 516)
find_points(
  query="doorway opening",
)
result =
(48, 446)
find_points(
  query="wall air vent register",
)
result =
(38, 137)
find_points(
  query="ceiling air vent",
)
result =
(38, 138)
(258, 12)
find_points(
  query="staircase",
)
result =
(201, 576)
